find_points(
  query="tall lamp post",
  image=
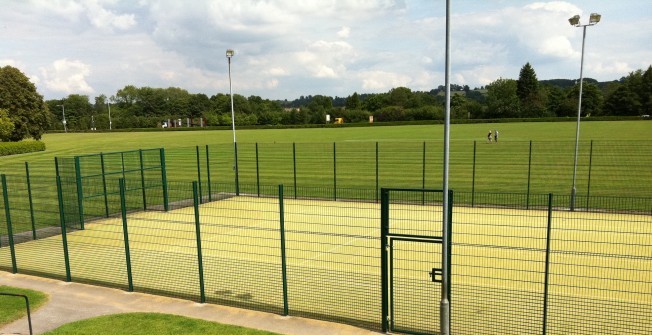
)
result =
(110, 123)
(229, 54)
(575, 21)
(63, 113)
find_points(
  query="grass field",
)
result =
(333, 262)
(13, 308)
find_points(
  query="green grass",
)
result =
(151, 323)
(13, 308)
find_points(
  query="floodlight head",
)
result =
(575, 20)
(229, 53)
(595, 18)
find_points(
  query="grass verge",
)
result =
(151, 323)
(13, 308)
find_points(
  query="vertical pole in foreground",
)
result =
(10, 233)
(229, 54)
(384, 276)
(445, 264)
(125, 232)
(62, 221)
(200, 259)
(31, 202)
(281, 211)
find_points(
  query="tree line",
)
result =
(24, 113)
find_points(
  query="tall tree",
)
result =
(532, 101)
(25, 106)
(502, 100)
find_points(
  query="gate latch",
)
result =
(436, 275)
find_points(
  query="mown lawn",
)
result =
(13, 308)
(151, 323)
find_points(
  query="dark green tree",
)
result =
(26, 108)
(502, 100)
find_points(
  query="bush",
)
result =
(14, 148)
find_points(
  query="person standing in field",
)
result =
(496, 135)
(489, 136)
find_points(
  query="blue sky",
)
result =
(288, 48)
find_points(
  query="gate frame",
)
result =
(386, 242)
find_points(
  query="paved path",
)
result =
(73, 301)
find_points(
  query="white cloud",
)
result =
(345, 32)
(68, 76)
(106, 19)
(381, 81)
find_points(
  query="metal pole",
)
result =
(577, 132)
(110, 123)
(445, 303)
(229, 54)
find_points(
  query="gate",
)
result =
(412, 243)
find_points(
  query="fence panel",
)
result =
(241, 250)
(601, 273)
(333, 261)
(624, 165)
(498, 269)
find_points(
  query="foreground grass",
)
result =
(13, 308)
(151, 323)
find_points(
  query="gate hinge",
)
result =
(388, 247)
(437, 275)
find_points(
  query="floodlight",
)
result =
(575, 20)
(595, 18)
(229, 53)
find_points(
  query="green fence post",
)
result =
(199, 173)
(80, 192)
(125, 231)
(588, 188)
(64, 234)
(237, 170)
(423, 174)
(31, 203)
(529, 173)
(10, 233)
(281, 211)
(384, 231)
(475, 146)
(257, 172)
(208, 175)
(294, 163)
(142, 178)
(377, 180)
(547, 267)
(200, 259)
(106, 197)
(451, 201)
(334, 173)
(164, 180)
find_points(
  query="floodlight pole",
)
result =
(575, 21)
(229, 54)
(110, 123)
(444, 308)
(63, 113)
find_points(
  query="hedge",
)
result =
(23, 147)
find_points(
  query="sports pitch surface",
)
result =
(600, 263)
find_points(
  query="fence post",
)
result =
(257, 172)
(377, 181)
(5, 195)
(588, 188)
(62, 220)
(294, 162)
(334, 173)
(80, 192)
(31, 203)
(199, 173)
(125, 231)
(164, 179)
(200, 259)
(142, 178)
(106, 198)
(281, 211)
(547, 269)
(208, 175)
(423, 174)
(529, 174)
(237, 170)
(475, 146)
(384, 230)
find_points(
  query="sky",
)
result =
(285, 49)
